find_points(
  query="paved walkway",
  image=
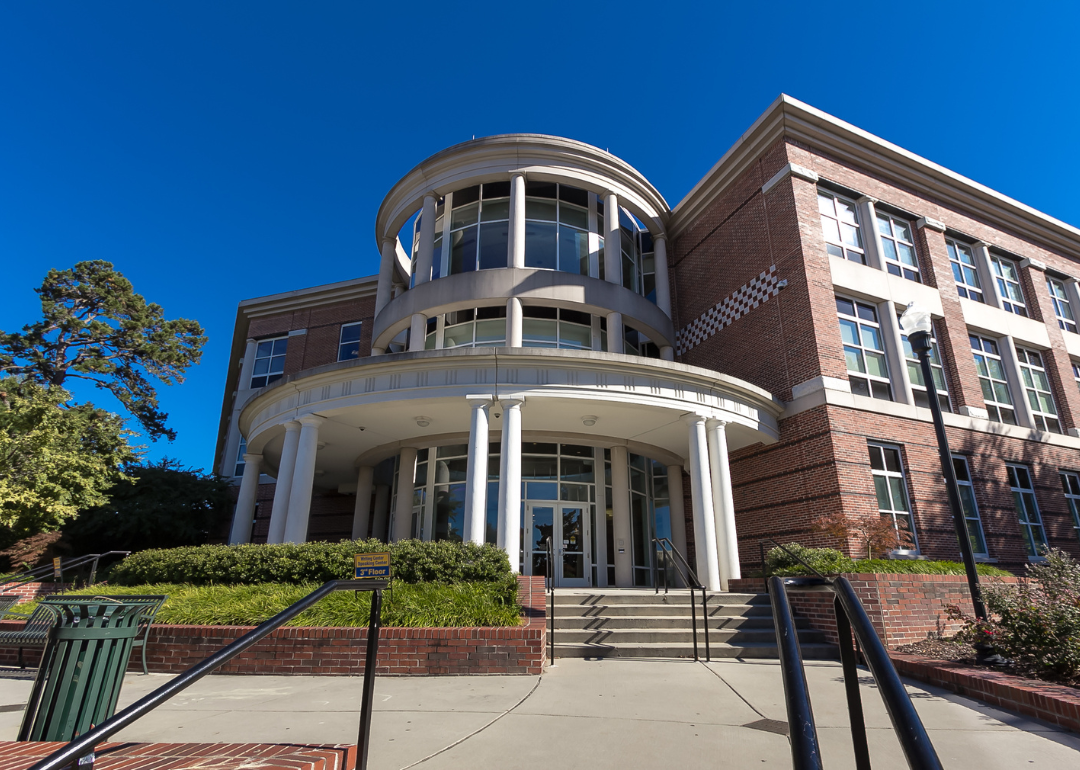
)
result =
(601, 714)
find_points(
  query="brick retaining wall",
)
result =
(176, 756)
(28, 592)
(341, 651)
(903, 608)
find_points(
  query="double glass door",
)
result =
(567, 524)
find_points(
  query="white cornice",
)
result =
(822, 132)
(327, 294)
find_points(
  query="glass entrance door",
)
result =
(567, 525)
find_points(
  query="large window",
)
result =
(557, 227)
(918, 384)
(898, 247)
(1076, 373)
(995, 386)
(1027, 509)
(1007, 279)
(548, 327)
(1070, 482)
(1062, 307)
(349, 342)
(269, 362)
(478, 327)
(840, 227)
(963, 269)
(1037, 388)
(631, 254)
(238, 469)
(864, 349)
(479, 227)
(891, 490)
(971, 510)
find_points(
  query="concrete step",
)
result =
(675, 636)
(681, 620)
(657, 610)
(812, 651)
(683, 598)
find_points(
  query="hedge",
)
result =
(829, 561)
(412, 561)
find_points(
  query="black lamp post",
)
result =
(916, 322)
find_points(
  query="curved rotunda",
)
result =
(521, 383)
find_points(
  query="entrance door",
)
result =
(567, 525)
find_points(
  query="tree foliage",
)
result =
(95, 327)
(166, 505)
(54, 461)
(878, 533)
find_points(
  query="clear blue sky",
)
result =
(220, 151)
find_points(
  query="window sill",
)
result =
(985, 559)
(906, 556)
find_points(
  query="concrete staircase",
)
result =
(638, 623)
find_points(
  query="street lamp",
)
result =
(916, 323)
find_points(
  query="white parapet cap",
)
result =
(1034, 264)
(931, 224)
(791, 169)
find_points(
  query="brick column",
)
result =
(1056, 359)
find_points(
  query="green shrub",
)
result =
(412, 561)
(419, 605)
(829, 561)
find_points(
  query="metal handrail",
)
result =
(691, 579)
(851, 618)
(84, 745)
(549, 589)
(27, 576)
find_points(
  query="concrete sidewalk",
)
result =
(615, 713)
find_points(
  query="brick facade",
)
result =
(181, 756)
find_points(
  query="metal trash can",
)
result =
(82, 666)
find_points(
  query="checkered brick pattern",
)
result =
(728, 310)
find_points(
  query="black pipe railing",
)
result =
(851, 618)
(549, 589)
(69, 563)
(83, 746)
(668, 549)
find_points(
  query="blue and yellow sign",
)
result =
(372, 565)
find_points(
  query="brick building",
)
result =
(733, 371)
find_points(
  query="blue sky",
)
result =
(220, 151)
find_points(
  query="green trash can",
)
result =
(82, 666)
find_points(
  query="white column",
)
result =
(708, 568)
(727, 541)
(515, 247)
(985, 271)
(426, 246)
(513, 322)
(868, 222)
(612, 242)
(663, 287)
(279, 514)
(245, 502)
(296, 526)
(248, 366)
(600, 531)
(385, 287)
(477, 473)
(417, 332)
(382, 511)
(667, 353)
(403, 510)
(620, 517)
(509, 532)
(678, 507)
(615, 342)
(1010, 361)
(894, 353)
(365, 479)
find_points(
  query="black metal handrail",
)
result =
(84, 745)
(70, 563)
(667, 548)
(850, 618)
(765, 567)
(549, 589)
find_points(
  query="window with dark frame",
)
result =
(898, 246)
(1007, 280)
(890, 487)
(971, 509)
(864, 349)
(965, 274)
(349, 342)
(840, 227)
(1027, 509)
(997, 395)
(269, 363)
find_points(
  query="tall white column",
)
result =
(708, 567)
(615, 342)
(620, 517)
(477, 472)
(385, 287)
(600, 530)
(279, 514)
(403, 510)
(250, 348)
(612, 242)
(514, 321)
(727, 540)
(509, 531)
(365, 479)
(667, 353)
(871, 244)
(663, 287)
(296, 526)
(382, 511)
(677, 508)
(417, 332)
(426, 248)
(515, 252)
(245, 502)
